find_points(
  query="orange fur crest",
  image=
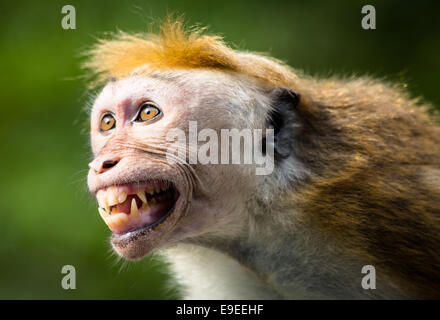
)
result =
(175, 48)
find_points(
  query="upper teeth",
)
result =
(101, 196)
(110, 197)
(122, 197)
(141, 195)
(134, 209)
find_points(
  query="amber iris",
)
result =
(108, 122)
(147, 112)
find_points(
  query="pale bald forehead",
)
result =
(137, 87)
(168, 84)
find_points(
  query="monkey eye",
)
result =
(147, 112)
(108, 122)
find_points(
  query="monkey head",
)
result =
(147, 200)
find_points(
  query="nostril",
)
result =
(108, 164)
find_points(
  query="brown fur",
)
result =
(372, 149)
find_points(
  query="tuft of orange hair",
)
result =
(177, 47)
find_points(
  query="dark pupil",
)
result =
(107, 120)
(147, 111)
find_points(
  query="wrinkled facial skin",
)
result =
(134, 153)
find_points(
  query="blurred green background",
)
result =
(47, 217)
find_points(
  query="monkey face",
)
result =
(147, 200)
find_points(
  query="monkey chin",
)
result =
(135, 245)
(141, 216)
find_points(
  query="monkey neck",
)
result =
(287, 262)
(284, 263)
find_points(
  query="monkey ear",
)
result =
(283, 119)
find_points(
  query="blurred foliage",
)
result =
(47, 217)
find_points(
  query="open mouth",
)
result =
(130, 207)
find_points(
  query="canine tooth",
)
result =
(103, 213)
(134, 209)
(111, 197)
(144, 206)
(141, 195)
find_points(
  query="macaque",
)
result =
(355, 179)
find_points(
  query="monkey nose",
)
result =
(101, 166)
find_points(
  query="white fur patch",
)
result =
(208, 274)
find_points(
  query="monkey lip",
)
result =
(137, 206)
